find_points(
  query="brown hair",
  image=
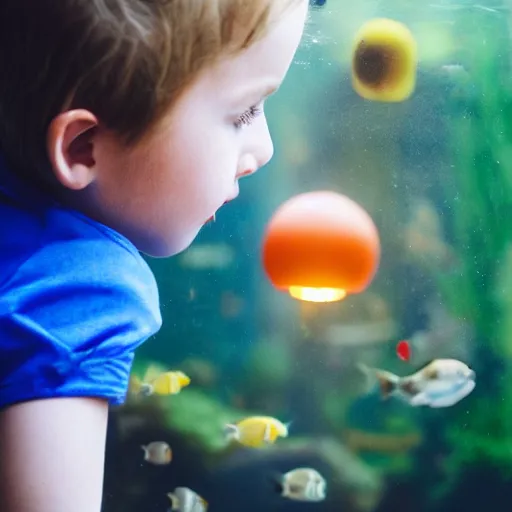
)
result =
(126, 61)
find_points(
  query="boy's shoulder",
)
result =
(46, 248)
(57, 238)
(76, 300)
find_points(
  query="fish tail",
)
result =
(231, 432)
(146, 389)
(134, 385)
(278, 482)
(175, 502)
(388, 382)
(145, 451)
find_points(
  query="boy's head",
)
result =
(142, 114)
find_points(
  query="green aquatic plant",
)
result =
(200, 418)
(484, 433)
(484, 439)
(478, 194)
(269, 366)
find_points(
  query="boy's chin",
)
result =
(166, 247)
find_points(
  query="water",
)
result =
(435, 173)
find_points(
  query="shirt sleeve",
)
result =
(71, 317)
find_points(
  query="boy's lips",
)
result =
(234, 195)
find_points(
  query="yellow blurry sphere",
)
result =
(384, 61)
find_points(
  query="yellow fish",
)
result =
(168, 383)
(159, 382)
(257, 431)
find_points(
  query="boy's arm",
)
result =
(74, 306)
(52, 455)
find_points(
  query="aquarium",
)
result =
(396, 393)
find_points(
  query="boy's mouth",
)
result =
(234, 195)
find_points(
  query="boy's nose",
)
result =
(259, 149)
(266, 147)
(248, 165)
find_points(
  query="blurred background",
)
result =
(435, 173)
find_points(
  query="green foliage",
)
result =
(485, 437)
(479, 197)
(200, 418)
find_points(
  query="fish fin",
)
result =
(231, 432)
(447, 402)
(428, 363)
(134, 385)
(153, 371)
(277, 480)
(369, 374)
(419, 400)
(430, 371)
(454, 397)
(387, 381)
(285, 489)
(146, 453)
(175, 501)
(408, 387)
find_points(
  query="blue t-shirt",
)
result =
(76, 300)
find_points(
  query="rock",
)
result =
(243, 480)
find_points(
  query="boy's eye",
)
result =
(248, 117)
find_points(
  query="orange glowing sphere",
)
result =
(321, 246)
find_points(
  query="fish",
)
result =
(159, 382)
(256, 431)
(441, 383)
(208, 256)
(184, 499)
(478, 7)
(302, 484)
(157, 452)
(168, 383)
(454, 69)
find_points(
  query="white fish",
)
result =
(157, 452)
(478, 7)
(454, 69)
(208, 256)
(441, 383)
(302, 484)
(184, 499)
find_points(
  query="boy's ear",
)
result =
(70, 146)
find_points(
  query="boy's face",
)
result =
(160, 193)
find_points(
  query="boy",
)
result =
(124, 126)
